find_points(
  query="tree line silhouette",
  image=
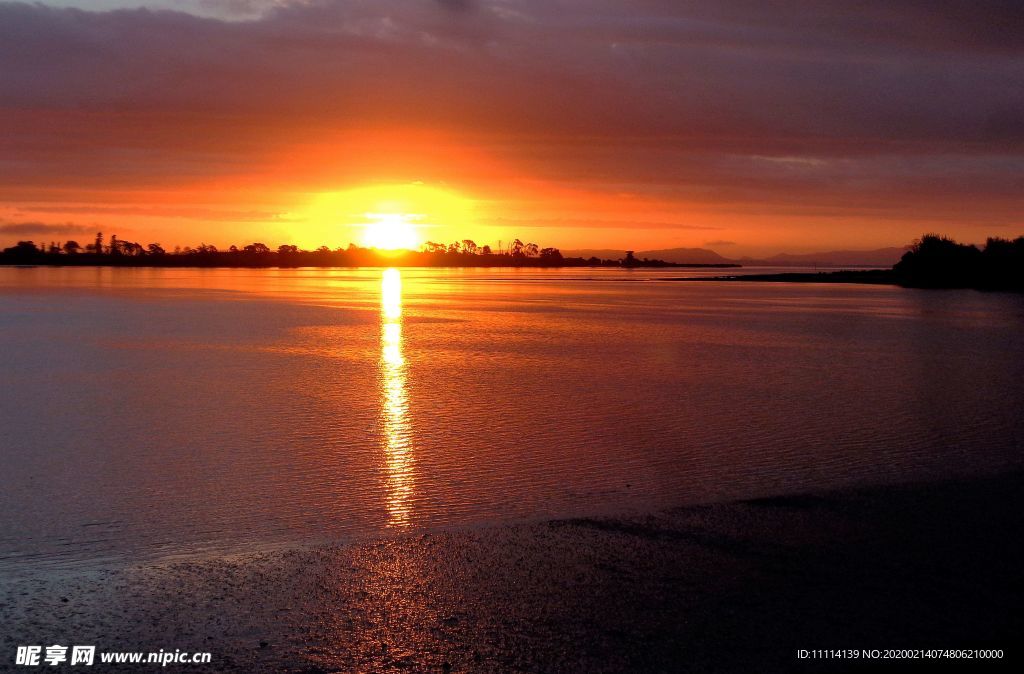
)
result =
(464, 253)
(935, 261)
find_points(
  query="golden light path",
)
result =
(399, 460)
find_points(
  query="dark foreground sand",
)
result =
(731, 587)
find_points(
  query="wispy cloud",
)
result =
(44, 229)
(595, 224)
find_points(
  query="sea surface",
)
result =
(165, 414)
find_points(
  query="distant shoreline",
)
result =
(120, 253)
(933, 261)
(869, 276)
(864, 277)
(135, 263)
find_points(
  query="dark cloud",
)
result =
(458, 5)
(176, 211)
(678, 68)
(43, 229)
(243, 8)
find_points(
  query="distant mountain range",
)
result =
(879, 257)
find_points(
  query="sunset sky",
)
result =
(746, 126)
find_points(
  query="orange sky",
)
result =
(639, 126)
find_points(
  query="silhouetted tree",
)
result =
(551, 255)
(1003, 263)
(23, 249)
(132, 249)
(935, 261)
(72, 247)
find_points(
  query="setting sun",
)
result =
(386, 216)
(391, 231)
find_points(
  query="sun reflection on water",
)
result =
(399, 461)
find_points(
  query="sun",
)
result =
(391, 231)
(383, 216)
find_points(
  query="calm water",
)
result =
(151, 413)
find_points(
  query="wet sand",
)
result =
(733, 587)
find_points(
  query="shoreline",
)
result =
(735, 586)
(863, 277)
(866, 276)
(399, 265)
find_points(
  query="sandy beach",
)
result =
(727, 587)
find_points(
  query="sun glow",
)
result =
(387, 217)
